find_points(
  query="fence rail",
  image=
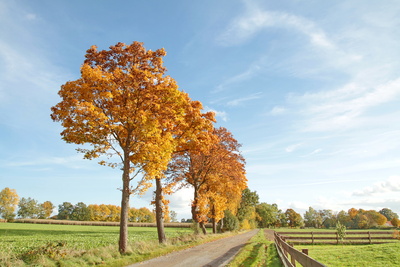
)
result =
(284, 250)
(363, 237)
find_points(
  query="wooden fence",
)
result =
(352, 237)
(284, 250)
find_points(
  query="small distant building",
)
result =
(388, 224)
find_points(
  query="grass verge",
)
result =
(257, 252)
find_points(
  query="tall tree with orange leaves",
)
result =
(226, 179)
(189, 135)
(121, 106)
(217, 175)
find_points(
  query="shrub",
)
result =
(231, 222)
(395, 222)
(52, 250)
(341, 231)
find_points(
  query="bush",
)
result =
(52, 250)
(231, 222)
(395, 222)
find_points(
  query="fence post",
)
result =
(305, 251)
(312, 238)
(337, 238)
(292, 260)
(369, 237)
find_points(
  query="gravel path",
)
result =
(212, 254)
(269, 234)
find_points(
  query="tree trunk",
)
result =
(123, 226)
(194, 211)
(214, 221)
(203, 227)
(214, 225)
(159, 212)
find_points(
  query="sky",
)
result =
(311, 89)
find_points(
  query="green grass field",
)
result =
(355, 255)
(75, 245)
(376, 255)
(19, 237)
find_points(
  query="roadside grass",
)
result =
(257, 252)
(73, 245)
(355, 255)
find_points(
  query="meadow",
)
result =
(375, 255)
(355, 255)
(79, 245)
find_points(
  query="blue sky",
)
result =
(310, 88)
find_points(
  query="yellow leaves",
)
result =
(8, 203)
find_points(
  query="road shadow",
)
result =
(226, 258)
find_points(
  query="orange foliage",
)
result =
(121, 106)
(217, 175)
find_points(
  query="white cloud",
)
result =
(219, 114)
(277, 110)
(293, 147)
(74, 162)
(255, 20)
(343, 108)
(298, 205)
(390, 185)
(180, 202)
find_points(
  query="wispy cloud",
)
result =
(75, 162)
(251, 71)
(255, 20)
(293, 147)
(240, 101)
(341, 108)
(277, 110)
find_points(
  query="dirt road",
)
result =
(212, 254)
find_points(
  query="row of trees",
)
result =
(104, 213)
(29, 208)
(353, 218)
(249, 214)
(252, 214)
(124, 107)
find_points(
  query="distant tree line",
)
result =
(249, 214)
(11, 206)
(103, 213)
(352, 219)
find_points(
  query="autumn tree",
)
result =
(8, 203)
(217, 175)
(46, 209)
(395, 222)
(190, 135)
(120, 107)
(294, 219)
